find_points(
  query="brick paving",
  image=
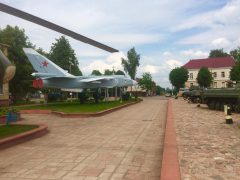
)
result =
(126, 144)
(208, 148)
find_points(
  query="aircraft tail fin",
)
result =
(42, 64)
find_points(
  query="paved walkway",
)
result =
(208, 148)
(126, 144)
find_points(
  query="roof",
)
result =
(216, 62)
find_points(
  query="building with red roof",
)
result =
(219, 67)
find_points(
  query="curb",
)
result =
(35, 111)
(170, 165)
(20, 138)
(78, 115)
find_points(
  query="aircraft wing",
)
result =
(50, 75)
(98, 82)
(94, 79)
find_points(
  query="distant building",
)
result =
(4, 88)
(219, 67)
(141, 92)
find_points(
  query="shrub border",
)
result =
(79, 115)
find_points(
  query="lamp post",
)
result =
(70, 70)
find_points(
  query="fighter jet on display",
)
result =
(50, 75)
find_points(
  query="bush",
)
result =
(56, 97)
(126, 96)
(4, 111)
(96, 96)
(83, 97)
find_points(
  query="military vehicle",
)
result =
(194, 94)
(181, 91)
(217, 98)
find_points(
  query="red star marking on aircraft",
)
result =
(45, 63)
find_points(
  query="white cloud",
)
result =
(167, 53)
(220, 27)
(151, 69)
(191, 54)
(112, 61)
(96, 65)
(228, 14)
(116, 57)
(221, 42)
(124, 40)
(165, 67)
(172, 63)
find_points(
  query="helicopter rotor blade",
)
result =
(29, 17)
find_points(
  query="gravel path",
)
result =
(208, 148)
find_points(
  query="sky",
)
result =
(166, 33)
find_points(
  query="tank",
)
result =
(194, 94)
(217, 98)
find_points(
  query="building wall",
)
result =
(138, 89)
(218, 81)
(4, 94)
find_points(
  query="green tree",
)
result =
(146, 81)
(15, 37)
(235, 72)
(204, 77)
(64, 56)
(236, 54)
(217, 53)
(42, 52)
(96, 73)
(119, 72)
(131, 63)
(178, 77)
(108, 72)
(159, 90)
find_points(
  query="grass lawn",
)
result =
(76, 107)
(14, 129)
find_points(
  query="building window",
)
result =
(1, 89)
(222, 74)
(191, 76)
(214, 75)
(223, 84)
(215, 84)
